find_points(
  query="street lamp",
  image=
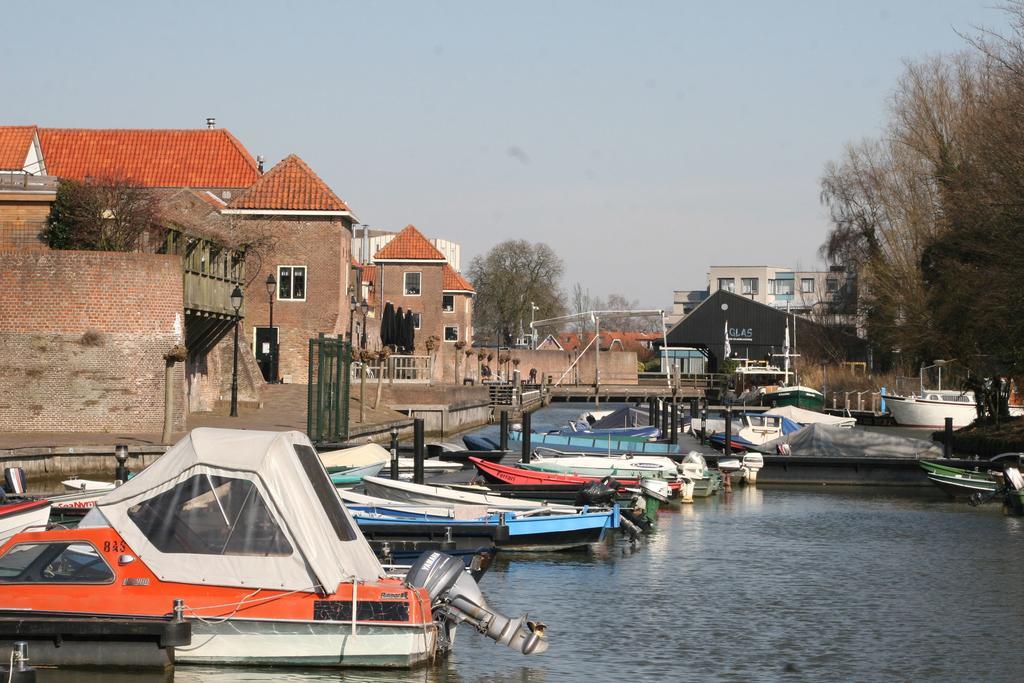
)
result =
(364, 307)
(272, 363)
(236, 303)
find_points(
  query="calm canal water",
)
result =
(763, 584)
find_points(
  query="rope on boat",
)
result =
(238, 605)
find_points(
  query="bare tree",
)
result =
(102, 214)
(507, 279)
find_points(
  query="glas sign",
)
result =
(291, 282)
(741, 334)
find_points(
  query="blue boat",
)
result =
(584, 443)
(477, 442)
(510, 531)
(584, 429)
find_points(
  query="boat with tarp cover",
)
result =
(233, 548)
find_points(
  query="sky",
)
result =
(643, 141)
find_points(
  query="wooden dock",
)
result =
(620, 393)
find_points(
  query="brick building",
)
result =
(95, 350)
(413, 274)
(307, 251)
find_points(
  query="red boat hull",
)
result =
(503, 474)
(11, 509)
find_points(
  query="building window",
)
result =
(727, 283)
(416, 321)
(451, 333)
(749, 285)
(807, 285)
(831, 285)
(447, 303)
(771, 286)
(291, 283)
(412, 284)
(784, 287)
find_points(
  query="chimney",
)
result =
(259, 162)
(211, 122)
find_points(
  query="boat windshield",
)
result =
(71, 562)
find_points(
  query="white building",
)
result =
(378, 238)
(781, 287)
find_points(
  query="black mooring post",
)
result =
(526, 438)
(651, 415)
(694, 411)
(674, 422)
(417, 450)
(394, 453)
(503, 437)
(728, 430)
(664, 418)
(703, 421)
(947, 442)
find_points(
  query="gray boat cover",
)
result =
(623, 417)
(825, 441)
(240, 508)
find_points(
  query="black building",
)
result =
(756, 331)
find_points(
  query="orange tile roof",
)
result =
(290, 186)
(152, 158)
(14, 145)
(453, 281)
(409, 245)
(369, 273)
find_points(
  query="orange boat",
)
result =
(233, 548)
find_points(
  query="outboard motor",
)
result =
(455, 598)
(14, 481)
(598, 493)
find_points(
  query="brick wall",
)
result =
(323, 247)
(82, 339)
(209, 377)
(427, 304)
(617, 367)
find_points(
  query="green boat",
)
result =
(798, 397)
(960, 482)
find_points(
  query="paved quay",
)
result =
(283, 408)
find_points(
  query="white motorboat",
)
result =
(76, 484)
(340, 460)
(454, 511)
(627, 466)
(810, 417)
(240, 534)
(408, 492)
(931, 408)
(20, 515)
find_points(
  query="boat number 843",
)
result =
(114, 547)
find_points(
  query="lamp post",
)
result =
(236, 303)
(352, 305)
(364, 307)
(533, 332)
(271, 286)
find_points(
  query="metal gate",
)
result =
(327, 400)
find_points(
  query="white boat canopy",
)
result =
(240, 508)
